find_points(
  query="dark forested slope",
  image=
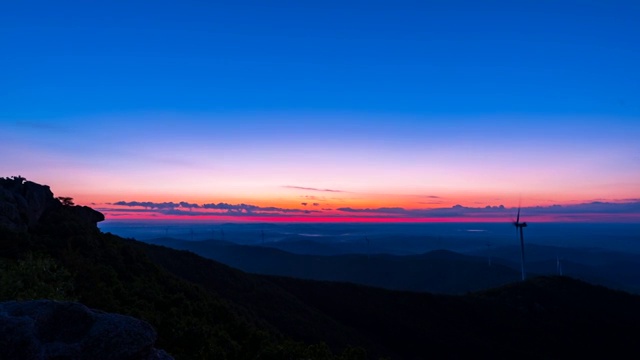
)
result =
(52, 250)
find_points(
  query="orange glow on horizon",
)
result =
(339, 200)
(370, 219)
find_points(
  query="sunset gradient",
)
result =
(327, 111)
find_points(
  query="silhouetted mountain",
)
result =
(203, 309)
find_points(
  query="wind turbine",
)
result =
(366, 238)
(368, 263)
(558, 260)
(558, 265)
(519, 227)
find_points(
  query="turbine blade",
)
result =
(518, 218)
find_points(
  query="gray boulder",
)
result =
(46, 329)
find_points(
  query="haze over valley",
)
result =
(434, 257)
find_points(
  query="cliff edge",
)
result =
(25, 204)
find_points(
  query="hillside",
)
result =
(542, 317)
(614, 269)
(55, 251)
(203, 309)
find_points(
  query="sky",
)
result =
(326, 110)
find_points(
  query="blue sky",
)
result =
(234, 100)
(425, 57)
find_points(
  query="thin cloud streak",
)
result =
(171, 208)
(39, 125)
(606, 211)
(312, 189)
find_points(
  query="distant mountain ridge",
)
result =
(438, 271)
(203, 309)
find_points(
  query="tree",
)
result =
(12, 180)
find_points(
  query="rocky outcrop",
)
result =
(45, 329)
(24, 203)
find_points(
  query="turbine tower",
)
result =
(519, 228)
(558, 266)
(368, 247)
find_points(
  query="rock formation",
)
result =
(24, 203)
(45, 329)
